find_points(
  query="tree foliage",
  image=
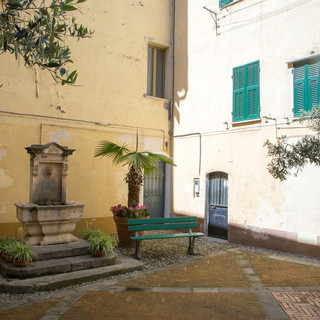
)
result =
(36, 30)
(286, 156)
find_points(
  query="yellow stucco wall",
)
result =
(108, 102)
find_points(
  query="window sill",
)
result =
(156, 98)
(245, 122)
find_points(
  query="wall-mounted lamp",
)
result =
(226, 123)
(196, 187)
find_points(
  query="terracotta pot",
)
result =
(21, 263)
(7, 258)
(123, 233)
(97, 254)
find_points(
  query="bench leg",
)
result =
(138, 254)
(191, 249)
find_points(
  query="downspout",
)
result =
(169, 181)
(172, 44)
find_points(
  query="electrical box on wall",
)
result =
(196, 187)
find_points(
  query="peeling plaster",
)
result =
(267, 216)
(258, 233)
(307, 238)
(2, 154)
(59, 135)
(3, 209)
(5, 179)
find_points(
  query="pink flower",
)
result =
(137, 207)
(143, 207)
(130, 208)
(136, 213)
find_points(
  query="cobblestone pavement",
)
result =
(233, 283)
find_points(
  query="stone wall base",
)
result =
(271, 239)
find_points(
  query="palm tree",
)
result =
(139, 162)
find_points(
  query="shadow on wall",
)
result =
(181, 55)
(271, 239)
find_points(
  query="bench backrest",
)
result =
(162, 223)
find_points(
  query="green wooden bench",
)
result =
(137, 225)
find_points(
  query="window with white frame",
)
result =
(155, 74)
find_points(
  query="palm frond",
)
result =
(147, 161)
(111, 150)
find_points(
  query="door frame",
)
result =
(206, 214)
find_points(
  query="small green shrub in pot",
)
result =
(6, 246)
(21, 253)
(89, 234)
(101, 244)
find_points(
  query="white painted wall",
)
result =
(272, 32)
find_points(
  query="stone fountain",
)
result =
(48, 218)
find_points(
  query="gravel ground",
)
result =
(155, 255)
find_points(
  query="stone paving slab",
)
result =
(277, 273)
(30, 311)
(166, 306)
(218, 271)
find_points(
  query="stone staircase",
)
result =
(62, 265)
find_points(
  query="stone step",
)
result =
(55, 266)
(57, 251)
(50, 282)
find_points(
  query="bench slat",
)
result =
(165, 226)
(161, 220)
(164, 236)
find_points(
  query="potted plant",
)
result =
(5, 248)
(101, 244)
(88, 234)
(21, 253)
(121, 214)
(139, 163)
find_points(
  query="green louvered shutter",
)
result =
(313, 82)
(238, 93)
(246, 92)
(306, 87)
(299, 89)
(224, 2)
(253, 95)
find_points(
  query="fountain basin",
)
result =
(49, 224)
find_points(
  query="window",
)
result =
(155, 78)
(246, 92)
(306, 86)
(224, 2)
